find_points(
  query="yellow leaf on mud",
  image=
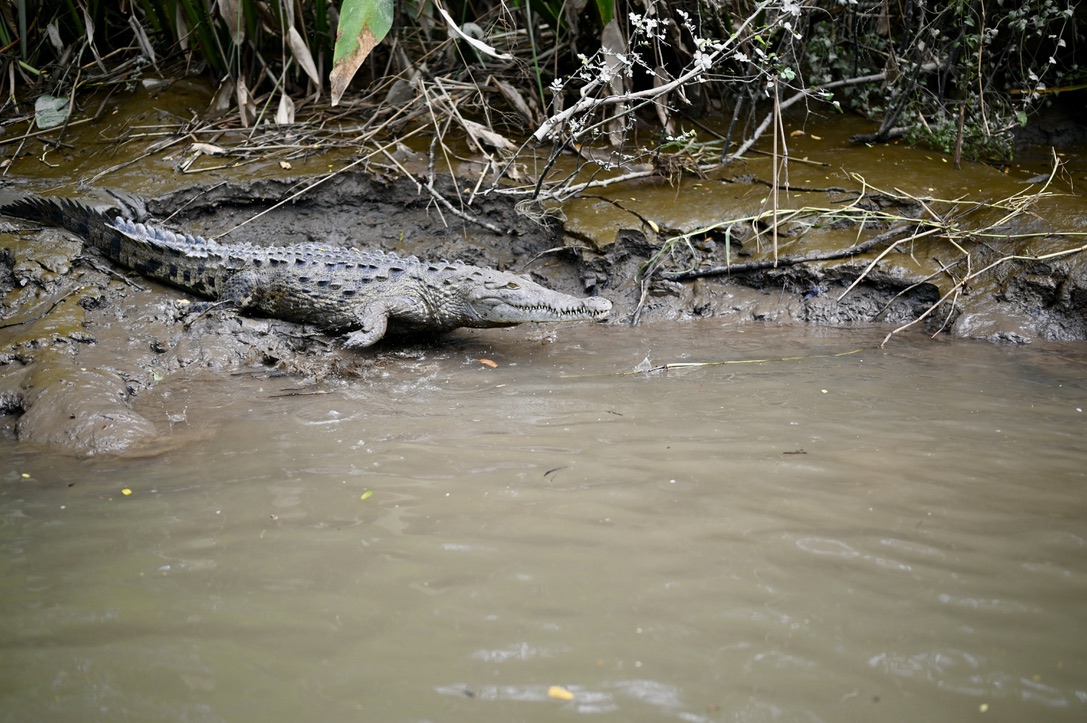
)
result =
(367, 495)
(559, 693)
(126, 492)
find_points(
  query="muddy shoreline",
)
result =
(80, 340)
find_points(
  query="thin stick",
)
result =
(774, 170)
(33, 134)
(746, 266)
(693, 365)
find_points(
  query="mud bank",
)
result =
(80, 341)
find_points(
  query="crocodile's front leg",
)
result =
(369, 333)
(373, 319)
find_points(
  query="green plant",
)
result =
(995, 60)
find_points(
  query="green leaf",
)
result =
(606, 9)
(363, 24)
(49, 111)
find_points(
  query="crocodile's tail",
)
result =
(84, 221)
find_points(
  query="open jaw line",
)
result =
(557, 311)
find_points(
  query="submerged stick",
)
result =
(689, 365)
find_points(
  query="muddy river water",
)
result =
(894, 535)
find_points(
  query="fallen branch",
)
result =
(747, 266)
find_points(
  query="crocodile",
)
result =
(357, 294)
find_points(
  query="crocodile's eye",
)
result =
(513, 285)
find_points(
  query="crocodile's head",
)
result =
(488, 298)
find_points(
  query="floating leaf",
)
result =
(50, 111)
(363, 24)
(489, 363)
(559, 693)
(367, 495)
(126, 492)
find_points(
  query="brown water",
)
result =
(655, 544)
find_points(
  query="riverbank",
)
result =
(889, 243)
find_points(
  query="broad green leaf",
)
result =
(363, 24)
(50, 111)
(606, 9)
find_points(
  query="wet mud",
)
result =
(80, 340)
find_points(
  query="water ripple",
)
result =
(826, 547)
